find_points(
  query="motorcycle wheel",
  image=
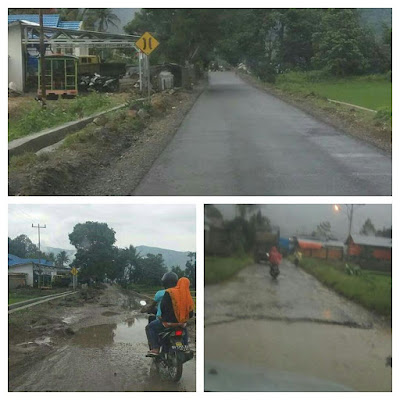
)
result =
(175, 368)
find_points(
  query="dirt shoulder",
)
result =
(110, 156)
(352, 121)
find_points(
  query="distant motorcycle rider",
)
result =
(275, 257)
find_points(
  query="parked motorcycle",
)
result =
(168, 364)
(98, 83)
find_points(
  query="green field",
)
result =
(218, 269)
(372, 91)
(371, 289)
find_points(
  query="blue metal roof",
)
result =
(14, 260)
(75, 25)
(49, 20)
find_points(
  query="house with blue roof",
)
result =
(23, 59)
(49, 20)
(30, 268)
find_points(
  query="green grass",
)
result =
(371, 289)
(372, 91)
(27, 293)
(32, 118)
(218, 269)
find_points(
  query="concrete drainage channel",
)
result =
(21, 305)
(52, 138)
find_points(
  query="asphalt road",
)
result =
(294, 330)
(238, 140)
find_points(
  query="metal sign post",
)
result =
(74, 273)
(147, 44)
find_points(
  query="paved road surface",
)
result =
(293, 325)
(238, 140)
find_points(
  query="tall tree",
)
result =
(100, 19)
(94, 242)
(323, 230)
(337, 44)
(190, 270)
(185, 35)
(22, 246)
(368, 228)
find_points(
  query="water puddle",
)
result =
(355, 358)
(130, 332)
(109, 313)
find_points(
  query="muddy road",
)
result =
(238, 140)
(299, 332)
(87, 342)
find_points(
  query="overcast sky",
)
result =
(166, 226)
(298, 218)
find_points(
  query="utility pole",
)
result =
(39, 228)
(350, 211)
(42, 60)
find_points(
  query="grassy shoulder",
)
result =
(310, 92)
(371, 289)
(27, 293)
(218, 269)
(26, 115)
(143, 129)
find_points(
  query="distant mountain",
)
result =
(171, 257)
(56, 250)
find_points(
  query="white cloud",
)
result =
(166, 226)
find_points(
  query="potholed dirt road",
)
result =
(294, 334)
(238, 140)
(95, 345)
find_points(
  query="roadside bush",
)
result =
(384, 116)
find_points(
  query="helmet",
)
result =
(169, 280)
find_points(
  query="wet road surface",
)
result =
(238, 140)
(294, 325)
(107, 356)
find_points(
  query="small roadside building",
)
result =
(328, 249)
(25, 271)
(379, 248)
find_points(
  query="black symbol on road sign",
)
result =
(145, 44)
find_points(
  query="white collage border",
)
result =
(200, 201)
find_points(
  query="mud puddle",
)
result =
(355, 358)
(130, 331)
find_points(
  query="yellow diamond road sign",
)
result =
(147, 43)
(74, 271)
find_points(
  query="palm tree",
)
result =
(101, 18)
(62, 258)
(243, 210)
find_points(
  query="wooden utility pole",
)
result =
(42, 60)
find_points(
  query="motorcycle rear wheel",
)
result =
(175, 368)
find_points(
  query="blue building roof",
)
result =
(75, 25)
(49, 20)
(14, 260)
